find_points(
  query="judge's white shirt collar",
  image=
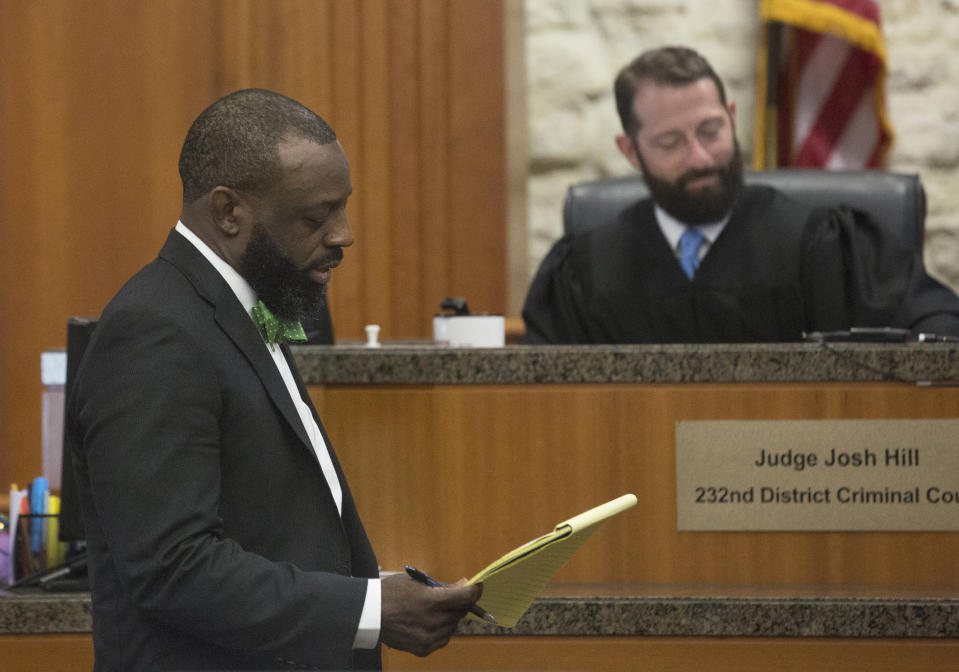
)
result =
(244, 292)
(672, 228)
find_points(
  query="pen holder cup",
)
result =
(35, 545)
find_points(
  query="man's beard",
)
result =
(702, 206)
(285, 289)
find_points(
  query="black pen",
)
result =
(417, 575)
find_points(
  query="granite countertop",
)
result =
(653, 611)
(736, 611)
(33, 611)
(415, 363)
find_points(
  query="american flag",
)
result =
(821, 85)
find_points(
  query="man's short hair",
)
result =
(667, 66)
(234, 142)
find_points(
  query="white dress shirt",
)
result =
(368, 632)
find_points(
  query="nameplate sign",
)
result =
(817, 475)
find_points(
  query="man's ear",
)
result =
(731, 107)
(628, 149)
(227, 209)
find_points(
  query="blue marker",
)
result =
(38, 490)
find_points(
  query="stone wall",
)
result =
(575, 47)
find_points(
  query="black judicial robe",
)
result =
(776, 270)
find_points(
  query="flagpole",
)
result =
(773, 51)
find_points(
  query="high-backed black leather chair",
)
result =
(896, 201)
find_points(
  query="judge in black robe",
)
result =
(775, 271)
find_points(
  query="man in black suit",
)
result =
(221, 530)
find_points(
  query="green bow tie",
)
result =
(273, 329)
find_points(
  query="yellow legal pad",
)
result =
(512, 582)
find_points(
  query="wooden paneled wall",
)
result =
(96, 99)
(447, 478)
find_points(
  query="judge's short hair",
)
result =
(235, 141)
(666, 66)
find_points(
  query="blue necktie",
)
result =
(689, 244)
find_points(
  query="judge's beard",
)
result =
(703, 206)
(285, 289)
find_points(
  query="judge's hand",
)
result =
(419, 618)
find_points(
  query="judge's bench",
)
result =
(456, 455)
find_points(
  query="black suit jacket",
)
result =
(214, 541)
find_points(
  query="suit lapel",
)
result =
(305, 396)
(237, 325)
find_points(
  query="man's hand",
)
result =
(421, 619)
